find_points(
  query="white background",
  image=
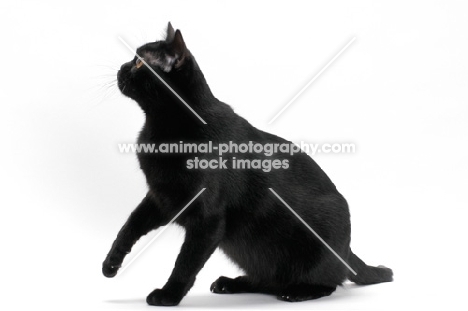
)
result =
(399, 93)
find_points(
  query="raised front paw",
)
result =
(162, 297)
(113, 262)
(109, 270)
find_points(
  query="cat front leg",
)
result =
(201, 239)
(143, 219)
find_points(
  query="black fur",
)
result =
(236, 212)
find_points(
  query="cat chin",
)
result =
(126, 90)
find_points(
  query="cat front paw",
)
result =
(162, 297)
(109, 270)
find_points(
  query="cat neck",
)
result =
(197, 85)
(168, 116)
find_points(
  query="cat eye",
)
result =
(138, 63)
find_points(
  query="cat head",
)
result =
(166, 57)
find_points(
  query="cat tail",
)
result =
(368, 274)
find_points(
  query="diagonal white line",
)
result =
(162, 80)
(311, 81)
(313, 231)
(160, 232)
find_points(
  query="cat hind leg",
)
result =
(225, 285)
(302, 292)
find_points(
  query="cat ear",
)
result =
(169, 33)
(178, 49)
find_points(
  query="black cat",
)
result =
(237, 212)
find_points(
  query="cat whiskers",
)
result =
(103, 89)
